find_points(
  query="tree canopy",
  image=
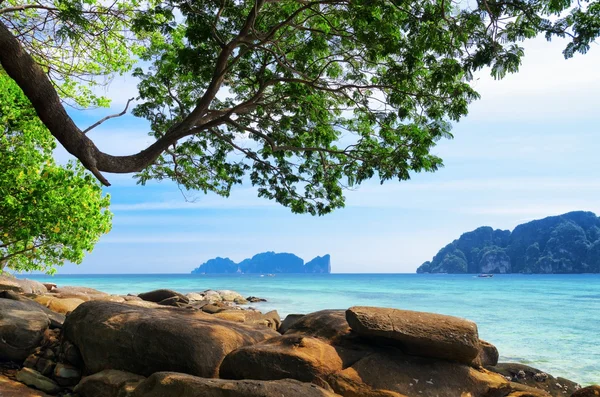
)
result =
(303, 98)
(49, 214)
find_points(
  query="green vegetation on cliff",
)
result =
(568, 243)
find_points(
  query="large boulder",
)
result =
(326, 324)
(230, 296)
(288, 321)
(160, 295)
(23, 286)
(168, 384)
(108, 383)
(488, 354)
(391, 373)
(22, 327)
(143, 341)
(417, 333)
(56, 319)
(533, 377)
(250, 317)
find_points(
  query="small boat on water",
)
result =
(485, 275)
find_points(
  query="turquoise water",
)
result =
(551, 322)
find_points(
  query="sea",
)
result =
(550, 322)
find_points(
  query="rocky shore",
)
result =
(80, 342)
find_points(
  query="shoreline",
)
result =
(362, 330)
(512, 321)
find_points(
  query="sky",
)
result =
(528, 149)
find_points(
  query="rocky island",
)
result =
(267, 262)
(568, 243)
(80, 342)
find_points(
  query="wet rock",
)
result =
(168, 384)
(33, 378)
(108, 383)
(254, 299)
(417, 333)
(143, 341)
(161, 294)
(22, 327)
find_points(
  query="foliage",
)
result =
(567, 243)
(79, 44)
(305, 98)
(48, 213)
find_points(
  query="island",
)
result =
(267, 263)
(568, 243)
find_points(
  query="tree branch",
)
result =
(112, 116)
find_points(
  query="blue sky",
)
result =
(528, 149)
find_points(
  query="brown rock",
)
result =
(326, 324)
(10, 388)
(533, 377)
(66, 375)
(290, 356)
(168, 384)
(254, 299)
(56, 319)
(417, 333)
(488, 354)
(213, 308)
(269, 320)
(162, 294)
(65, 305)
(108, 383)
(143, 341)
(288, 321)
(23, 286)
(71, 354)
(22, 327)
(392, 373)
(590, 391)
(83, 293)
(45, 366)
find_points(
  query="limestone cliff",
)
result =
(267, 262)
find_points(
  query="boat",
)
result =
(485, 275)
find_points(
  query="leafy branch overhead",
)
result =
(303, 97)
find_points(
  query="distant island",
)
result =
(267, 263)
(568, 243)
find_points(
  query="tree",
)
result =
(315, 95)
(49, 214)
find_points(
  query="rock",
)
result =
(143, 341)
(142, 303)
(59, 305)
(212, 296)
(199, 304)
(194, 296)
(488, 354)
(290, 356)
(326, 324)
(108, 383)
(71, 354)
(56, 319)
(172, 301)
(83, 293)
(10, 388)
(168, 384)
(22, 327)
(392, 373)
(49, 286)
(213, 308)
(254, 299)
(288, 321)
(229, 296)
(240, 301)
(270, 319)
(23, 286)
(31, 361)
(162, 294)
(129, 298)
(533, 377)
(45, 366)
(33, 378)
(417, 333)
(66, 375)
(590, 391)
